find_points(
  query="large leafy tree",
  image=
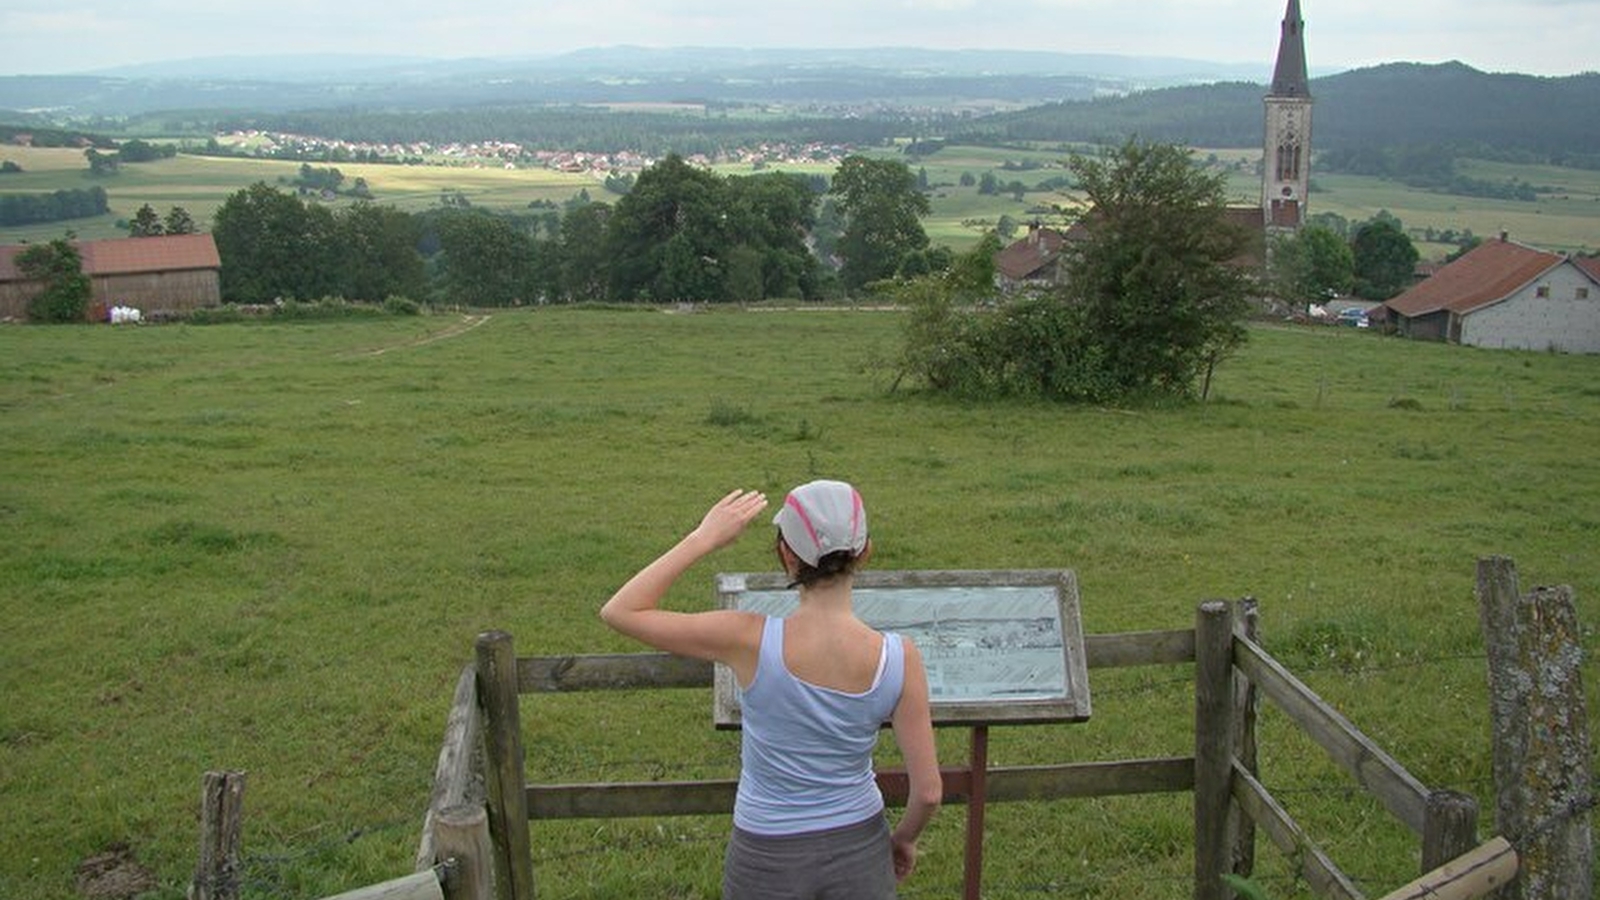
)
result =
(771, 215)
(378, 255)
(1158, 280)
(1384, 258)
(667, 237)
(1311, 265)
(883, 217)
(179, 221)
(582, 256)
(1155, 295)
(146, 223)
(487, 260)
(59, 267)
(274, 245)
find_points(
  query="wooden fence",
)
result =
(475, 840)
(1233, 673)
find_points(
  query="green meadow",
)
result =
(269, 548)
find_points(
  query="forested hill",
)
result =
(1394, 105)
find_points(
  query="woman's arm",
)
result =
(717, 634)
(913, 732)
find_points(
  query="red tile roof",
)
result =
(1029, 254)
(127, 256)
(1489, 273)
(168, 253)
(1590, 264)
(8, 262)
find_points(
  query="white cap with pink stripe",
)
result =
(822, 517)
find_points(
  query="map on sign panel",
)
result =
(998, 646)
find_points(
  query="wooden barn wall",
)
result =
(147, 292)
(14, 297)
(159, 291)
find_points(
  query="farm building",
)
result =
(1033, 261)
(1036, 260)
(1507, 295)
(171, 273)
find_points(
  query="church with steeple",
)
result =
(1286, 159)
(1035, 261)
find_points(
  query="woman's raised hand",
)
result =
(726, 520)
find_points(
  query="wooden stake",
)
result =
(216, 875)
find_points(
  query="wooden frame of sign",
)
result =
(1000, 646)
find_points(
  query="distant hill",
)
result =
(889, 76)
(1394, 105)
(987, 96)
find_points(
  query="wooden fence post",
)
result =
(216, 874)
(503, 766)
(461, 834)
(1213, 749)
(1246, 704)
(1450, 828)
(1540, 730)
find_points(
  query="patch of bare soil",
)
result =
(466, 324)
(113, 874)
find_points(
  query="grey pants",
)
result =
(849, 863)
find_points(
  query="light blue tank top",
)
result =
(807, 750)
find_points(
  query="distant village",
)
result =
(507, 154)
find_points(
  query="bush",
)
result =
(397, 305)
(66, 293)
(324, 309)
(1031, 346)
(216, 315)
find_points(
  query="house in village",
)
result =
(1035, 261)
(1503, 294)
(170, 273)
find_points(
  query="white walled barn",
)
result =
(1505, 295)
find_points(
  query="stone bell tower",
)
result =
(1286, 173)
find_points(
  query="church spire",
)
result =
(1289, 76)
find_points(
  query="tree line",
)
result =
(55, 206)
(1450, 107)
(681, 233)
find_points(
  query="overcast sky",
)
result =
(1542, 37)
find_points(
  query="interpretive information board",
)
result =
(999, 646)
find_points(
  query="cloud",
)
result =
(1553, 36)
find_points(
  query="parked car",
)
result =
(1354, 316)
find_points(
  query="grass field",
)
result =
(1565, 218)
(270, 547)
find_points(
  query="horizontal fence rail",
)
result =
(640, 671)
(1404, 796)
(1319, 871)
(1005, 784)
(420, 886)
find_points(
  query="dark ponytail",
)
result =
(830, 566)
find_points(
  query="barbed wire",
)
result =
(263, 874)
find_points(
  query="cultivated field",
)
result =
(270, 547)
(200, 184)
